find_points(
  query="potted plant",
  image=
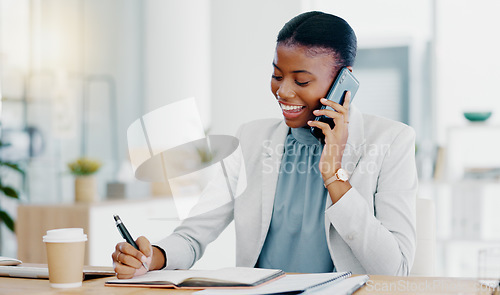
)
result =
(85, 183)
(7, 190)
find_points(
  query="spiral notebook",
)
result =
(290, 284)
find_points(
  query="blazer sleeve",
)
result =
(189, 240)
(383, 241)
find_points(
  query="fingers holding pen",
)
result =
(129, 262)
(125, 265)
(126, 254)
(144, 246)
(147, 250)
(123, 271)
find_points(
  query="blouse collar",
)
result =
(304, 136)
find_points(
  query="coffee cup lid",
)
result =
(65, 235)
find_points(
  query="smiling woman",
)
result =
(299, 80)
(310, 206)
(308, 57)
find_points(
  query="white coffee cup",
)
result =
(65, 255)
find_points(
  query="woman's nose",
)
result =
(285, 92)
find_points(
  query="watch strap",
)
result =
(330, 180)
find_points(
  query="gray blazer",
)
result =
(370, 230)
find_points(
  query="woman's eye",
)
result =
(277, 78)
(302, 83)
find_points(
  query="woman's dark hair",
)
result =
(322, 31)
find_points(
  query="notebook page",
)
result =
(289, 283)
(232, 274)
(173, 276)
(243, 275)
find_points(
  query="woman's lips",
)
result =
(291, 111)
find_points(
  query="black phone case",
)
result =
(344, 82)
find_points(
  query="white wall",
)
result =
(14, 53)
(243, 41)
(388, 23)
(177, 54)
(467, 61)
(464, 44)
(217, 51)
(383, 18)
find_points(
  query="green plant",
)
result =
(205, 153)
(7, 190)
(84, 166)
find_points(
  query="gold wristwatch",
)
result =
(341, 175)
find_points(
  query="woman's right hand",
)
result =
(127, 260)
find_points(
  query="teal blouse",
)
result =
(296, 240)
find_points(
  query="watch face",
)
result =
(342, 175)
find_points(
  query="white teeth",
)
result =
(290, 108)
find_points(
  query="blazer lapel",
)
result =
(355, 141)
(355, 144)
(272, 155)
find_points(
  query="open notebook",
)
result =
(201, 279)
(290, 284)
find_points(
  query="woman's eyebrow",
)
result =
(298, 71)
(302, 71)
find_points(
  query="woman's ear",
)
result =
(349, 68)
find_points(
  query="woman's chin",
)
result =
(295, 123)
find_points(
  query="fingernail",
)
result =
(309, 122)
(323, 100)
(144, 259)
(316, 111)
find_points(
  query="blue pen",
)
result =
(126, 235)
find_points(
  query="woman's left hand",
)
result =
(336, 138)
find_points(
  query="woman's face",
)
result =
(299, 81)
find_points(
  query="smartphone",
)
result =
(344, 82)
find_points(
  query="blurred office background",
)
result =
(74, 74)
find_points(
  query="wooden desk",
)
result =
(376, 285)
(423, 285)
